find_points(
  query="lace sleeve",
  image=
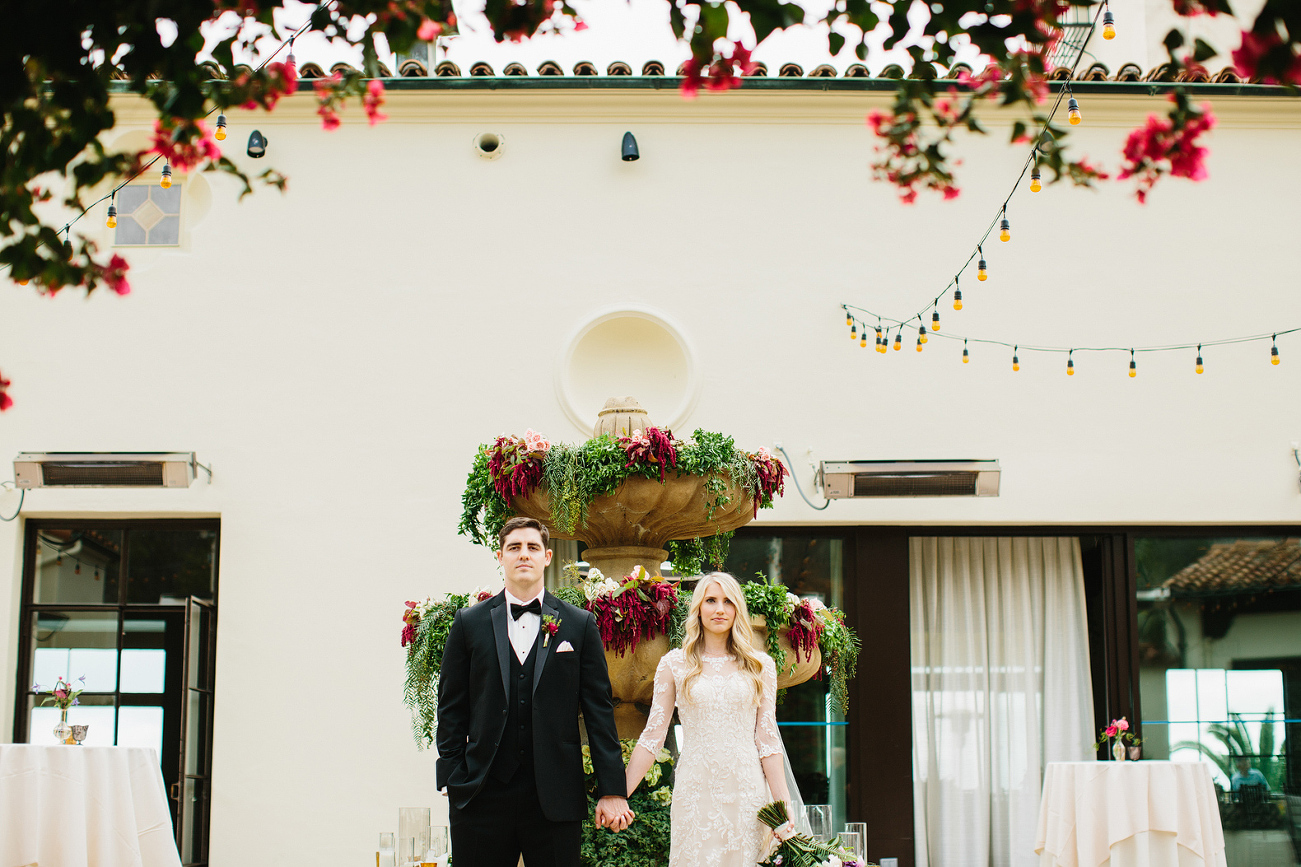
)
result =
(766, 735)
(661, 713)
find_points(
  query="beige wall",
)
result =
(337, 353)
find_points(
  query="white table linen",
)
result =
(1131, 814)
(68, 806)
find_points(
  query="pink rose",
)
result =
(1122, 724)
(1111, 731)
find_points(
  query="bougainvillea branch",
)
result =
(1168, 145)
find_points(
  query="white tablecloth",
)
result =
(67, 806)
(1149, 814)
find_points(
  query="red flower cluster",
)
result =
(327, 97)
(114, 274)
(1255, 48)
(186, 144)
(725, 73)
(805, 630)
(1167, 145)
(372, 99)
(654, 447)
(640, 612)
(514, 468)
(410, 618)
(5, 400)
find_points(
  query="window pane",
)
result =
(95, 711)
(144, 654)
(77, 567)
(1219, 626)
(196, 733)
(168, 565)
(140, 727)
(73, 645)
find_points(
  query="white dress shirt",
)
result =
(523, 632)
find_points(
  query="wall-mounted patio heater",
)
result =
(938, 478)
(104, 469)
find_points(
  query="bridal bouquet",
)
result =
(798, 850)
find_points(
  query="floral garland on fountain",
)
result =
(639, 608)
(574, 476)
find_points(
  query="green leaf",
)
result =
(1202, 51)
(835, 42)
(1173, 40)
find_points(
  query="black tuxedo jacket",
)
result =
(472, 692)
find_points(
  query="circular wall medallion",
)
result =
(628, 352)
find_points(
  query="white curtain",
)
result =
(1000, 673)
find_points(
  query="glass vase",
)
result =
(1118, 750)
(62, 730)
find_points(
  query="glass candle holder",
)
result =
(859, 828)
(819, 816)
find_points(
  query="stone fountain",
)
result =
(631, 527)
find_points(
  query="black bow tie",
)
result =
(534, 607)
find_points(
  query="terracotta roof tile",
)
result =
(1242, 566)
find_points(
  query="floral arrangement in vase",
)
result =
(62, 695)
(1118, 732)
(638, 608)
(575, 475)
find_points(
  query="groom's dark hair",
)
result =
(519, 522)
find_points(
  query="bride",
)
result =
(732, 760)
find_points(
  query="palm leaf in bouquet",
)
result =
(798, 850)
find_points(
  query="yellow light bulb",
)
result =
(1200, 368)
(1035, 186)
(1005, 235)
(112, 222)
(881, 347)
(919, 346)
(165, 182)
(965, 358)
(1070, 370)
(863, 342)
(898, 342)
(1273, 359)
(1108, 31)
(23, 282)
(1132, 373)
(849, 319)
(220, 134)
(957, 303)
(923, 339)
(1016, 365)
(1074, 115)
(982, 275)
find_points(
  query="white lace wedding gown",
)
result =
(719, 785)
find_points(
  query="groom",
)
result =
(516, 671)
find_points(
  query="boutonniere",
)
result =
(550, 625)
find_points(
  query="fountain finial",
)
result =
(620, 417)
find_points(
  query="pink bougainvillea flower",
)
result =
(429, 30)
(5, 400)
(691, 79)
(372, 99)
(114, 275)
(1162, 147)
(186, 144)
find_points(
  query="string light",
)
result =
(920, 341)
(1108, 24)
(1005, 228)
(220, 134)
(1073, 108)
(863, 341)
(966, 356)
(898, 339)
(880, 341)
(935, 320)
(167, 175)
(1036, 180)
(853, 331)
(982, 272)
(849, 318)
(1069, 351)
(957, 295)
(67, 242)
(112, 213)
(1070, 363)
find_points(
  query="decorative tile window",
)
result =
(148, 216)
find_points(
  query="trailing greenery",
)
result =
(840, 647)
(646, 840)
(425, 660)
(770, 602)
(689, 556)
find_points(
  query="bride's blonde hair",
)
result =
(740, 641)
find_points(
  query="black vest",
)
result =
(516, 747)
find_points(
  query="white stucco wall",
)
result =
(337, 353)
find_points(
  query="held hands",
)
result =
(612, 812)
